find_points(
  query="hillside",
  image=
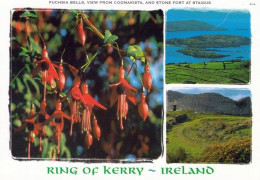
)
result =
(209, 137)
(190, 25)
(209, 103)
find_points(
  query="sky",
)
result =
(232, 93)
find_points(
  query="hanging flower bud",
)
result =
(81, 33)
(143, 107)
(88, 139)
(96, 129)
(61, 81)
(147, 78)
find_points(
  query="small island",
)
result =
(200, 53)
(210, 41)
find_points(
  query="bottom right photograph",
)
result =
(209, 125)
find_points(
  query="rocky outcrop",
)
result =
(208, 103)
(176, 120)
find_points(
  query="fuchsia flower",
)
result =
(46, 68)
(41, 121)
(76, 97)
(81, 96)
(120, 91)
(58, 123)
(87, 112)
(33, 131)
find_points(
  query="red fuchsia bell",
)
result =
(88, 99)
(87, 112)
(40, 122)
(45, 65)
(58, 123)
(61, 81)
(147, 78)
(88, 140)
(81, 35)
(143, 107)
(96, 129)
(46, 68)
(76, 97)
(32, 130)
(120, 91)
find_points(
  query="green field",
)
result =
(208, 137)
(230, 72)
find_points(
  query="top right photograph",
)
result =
(208, 47)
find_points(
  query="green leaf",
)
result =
(144, 17)
(13, 106)
(20, 86)
(159, 18)
(49, 132)
(109, 37)
(75, 12)
(24, 49)
(17, 123)
(112, 38)
(24, 52)
(27, 78)
(34, 54)
(89, 28)
(136, 52)
(28, 14)
(44, 147)
(28, 68)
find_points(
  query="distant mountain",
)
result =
(191, 25)
(173, 95)
(208, 102)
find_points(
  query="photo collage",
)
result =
(131, 86)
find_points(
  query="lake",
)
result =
(235, 23)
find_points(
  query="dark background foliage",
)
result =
(139, 139)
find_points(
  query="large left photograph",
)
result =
(86, 85)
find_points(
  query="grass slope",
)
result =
(204, 130)
(211, 72)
